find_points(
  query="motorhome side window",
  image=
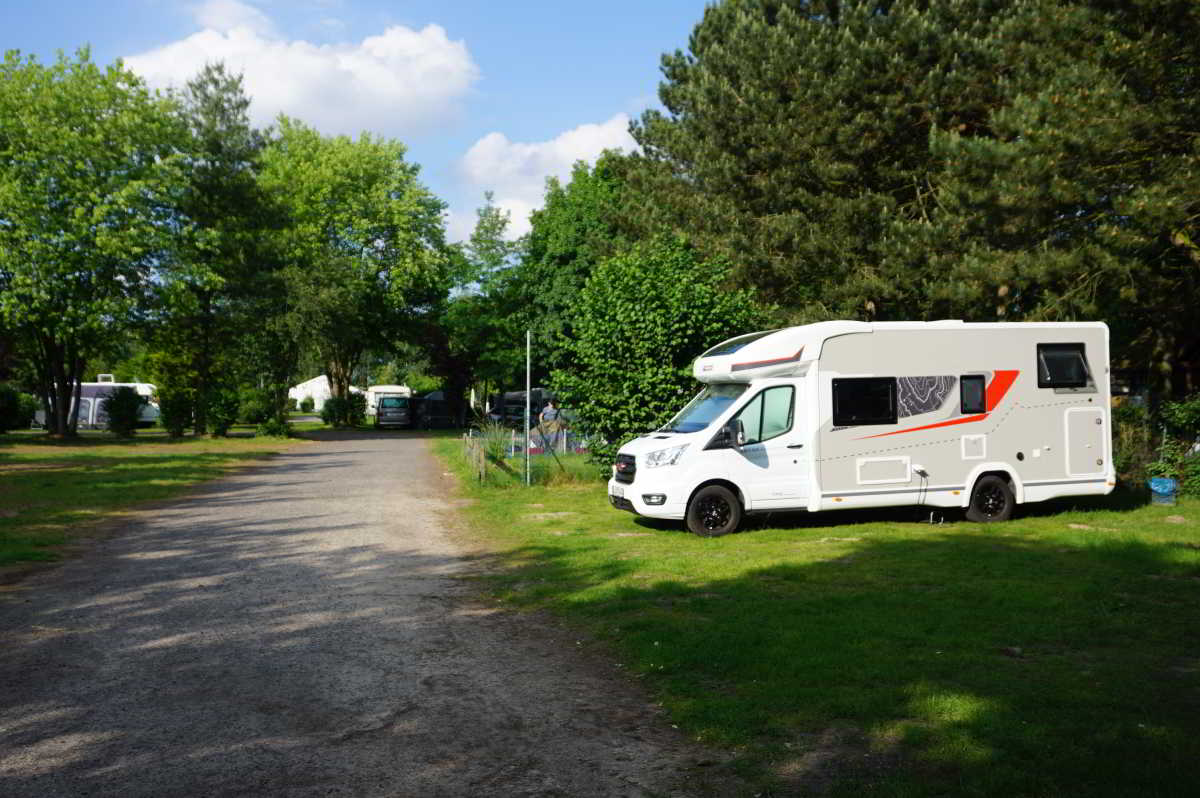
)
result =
(972, 394)
(768, 415)
(864, 400)
(1062, 366)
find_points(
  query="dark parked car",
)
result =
(394, 411)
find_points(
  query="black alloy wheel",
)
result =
(991, 501)
(714, 511)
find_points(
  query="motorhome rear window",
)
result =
(1062, 366)
(859, 401)
(973, 394)
(734, 344)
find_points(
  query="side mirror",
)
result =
(735, 433)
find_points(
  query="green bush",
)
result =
(1182, 418)
(30, 405)
(340, 412)
(273, 428)
(1189, 476)
(223, 409)
(333, 412)
(356, 413)
(123, 408)
(16, 409)
(254, 407)
(1132, 443)
(174, 411)
(306, 404)
(1170, 460)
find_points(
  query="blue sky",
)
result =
(486, 95)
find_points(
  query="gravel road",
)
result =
(300, 629)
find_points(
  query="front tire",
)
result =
(992, 500)
(714, 511)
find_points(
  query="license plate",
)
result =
(618, 492)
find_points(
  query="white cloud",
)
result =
(460, 224)
(516, 171)
(225, 15)
(400, 82)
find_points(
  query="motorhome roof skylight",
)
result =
(734, 344)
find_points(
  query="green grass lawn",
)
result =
(1057, 654)
(52, 491)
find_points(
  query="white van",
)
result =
(842, 414)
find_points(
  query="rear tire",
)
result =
(992, 500)
(714, 511)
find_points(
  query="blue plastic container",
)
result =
(1163, 490)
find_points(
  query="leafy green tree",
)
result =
(209, 287)
(578, 225)
(363, 243)
(83, 151)
(470, 337)
(488, 252)
(642, 318)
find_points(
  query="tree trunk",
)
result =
(75, 364)
(60, 389)
(203, 366)
(60, 374)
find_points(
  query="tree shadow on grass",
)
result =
(976, 664)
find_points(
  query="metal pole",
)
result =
(527, 400)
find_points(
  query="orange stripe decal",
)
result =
(1002, 381)
(950, 423)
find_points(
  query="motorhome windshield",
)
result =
(393, 402)
(708, 404)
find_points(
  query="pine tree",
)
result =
(987, 160)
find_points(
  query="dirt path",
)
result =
(298, 629)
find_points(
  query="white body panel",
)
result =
(941, 438)
(375, 392)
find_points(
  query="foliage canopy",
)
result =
(641, 320)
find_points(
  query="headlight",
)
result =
(664, 457)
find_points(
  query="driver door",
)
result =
(772, 465)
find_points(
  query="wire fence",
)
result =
(496, 454)
(541, 439)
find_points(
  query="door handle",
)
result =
(796, 446)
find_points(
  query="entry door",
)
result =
(1087, 435)
(772, 466)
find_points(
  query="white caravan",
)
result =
(91, 403)
(842, 414)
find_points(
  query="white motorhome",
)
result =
(842, 414)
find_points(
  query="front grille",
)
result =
(626, 468)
